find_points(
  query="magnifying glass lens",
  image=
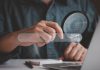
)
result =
(74, 26)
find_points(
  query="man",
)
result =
(22, 20)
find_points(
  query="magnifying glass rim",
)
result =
(62, 25)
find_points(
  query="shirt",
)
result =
(19, 14)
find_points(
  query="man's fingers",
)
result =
(57, 28)
(42, 23)
(43, 37)
(41, 33)
(79, 53)
(70, 47)
(53, 25)
(26, 44)
(84, 55)
(50, 31)
(40, 44)
(74, 51)
(68, 50)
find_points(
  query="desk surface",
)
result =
(18, 64)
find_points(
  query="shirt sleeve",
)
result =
(3, 56)
(92, 17)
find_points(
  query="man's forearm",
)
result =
(8, 42)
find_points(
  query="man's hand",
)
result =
(43, 33)
(75, 52)
(40, 34)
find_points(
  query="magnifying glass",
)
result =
(74, 25)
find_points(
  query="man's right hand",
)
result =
(43, 33)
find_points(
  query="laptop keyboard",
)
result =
(63, 66)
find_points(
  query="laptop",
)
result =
(92, 60)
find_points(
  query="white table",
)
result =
(18, 64)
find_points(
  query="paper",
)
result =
(48, 61)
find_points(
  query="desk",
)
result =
(18, 64)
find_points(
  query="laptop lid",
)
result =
(92, 60)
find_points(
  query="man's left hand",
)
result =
(75, 52)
